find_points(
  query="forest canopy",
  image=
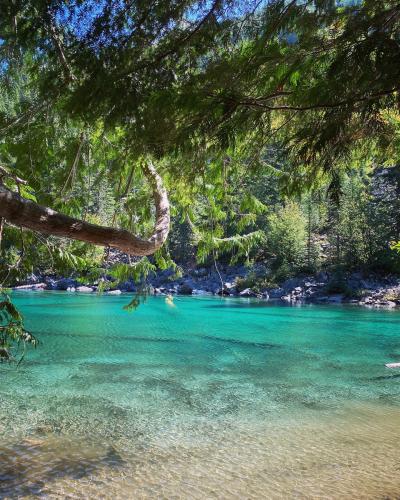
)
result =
(218, 113)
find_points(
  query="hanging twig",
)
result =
(1, 229)
(54, 35)
(5, 173)
(18, 263)
(72, 172)
(34, 110)
(214, 254)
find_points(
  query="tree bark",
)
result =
(1, 230)
(28, 214)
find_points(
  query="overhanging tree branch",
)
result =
(26, 213)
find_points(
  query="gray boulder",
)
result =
(200, 272)
(51, 284)
(276, 293)
(185, 289)
(322, 277)
(291, 283)
(336, 299)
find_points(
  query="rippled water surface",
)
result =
(209, 398)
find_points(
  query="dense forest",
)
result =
(261, 131)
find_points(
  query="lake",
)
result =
(202, 398)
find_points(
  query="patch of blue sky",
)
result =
(79, 17)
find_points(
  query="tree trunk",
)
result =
(28, 214)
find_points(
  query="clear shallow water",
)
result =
(211, 398)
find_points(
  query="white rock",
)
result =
(114, 292)
(35, 286)
(389, 303)
(247, 292)
(84, 289)
(229, 285)
(200, 292)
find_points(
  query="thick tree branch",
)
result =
(26, 213)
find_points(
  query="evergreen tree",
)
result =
(287, 239)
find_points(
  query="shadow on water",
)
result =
(386, 377)
(261, 345)
(27, 467)
(226, 304)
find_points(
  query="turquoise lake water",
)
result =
(205, 398)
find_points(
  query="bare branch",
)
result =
(5, 173)
(68, 74)
(258, 102)
(26, 213)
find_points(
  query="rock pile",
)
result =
(322, 288)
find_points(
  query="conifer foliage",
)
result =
(107, 106)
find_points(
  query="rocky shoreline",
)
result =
(323, 288)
